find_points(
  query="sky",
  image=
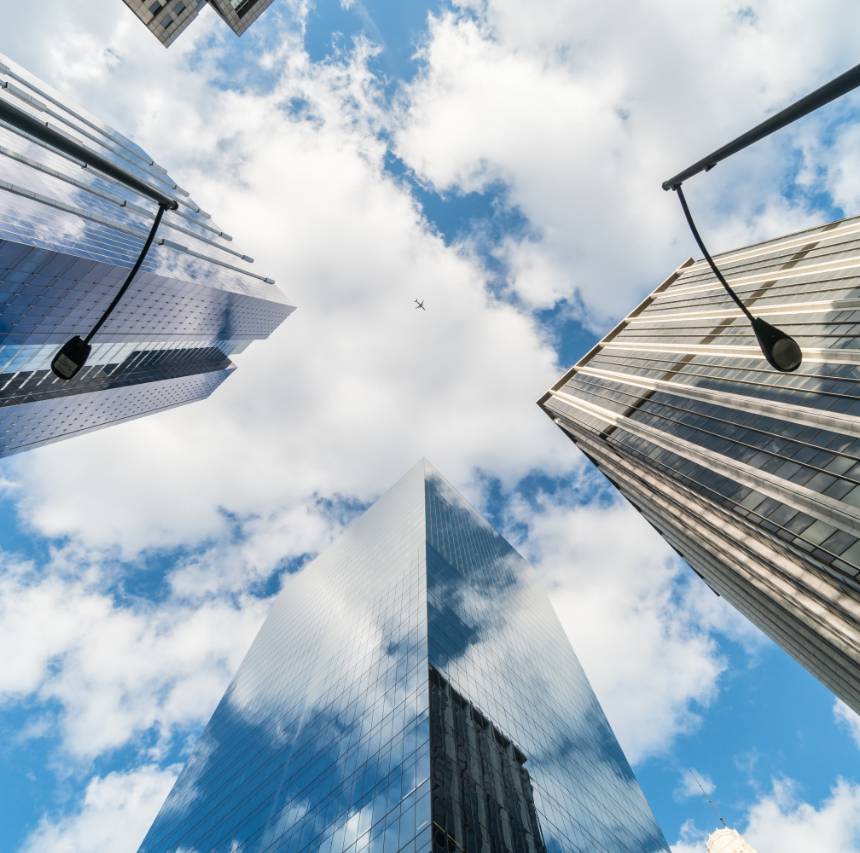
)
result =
(501, 160)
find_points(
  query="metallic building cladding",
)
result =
(323, 740)
(753, 476)
(68, 236)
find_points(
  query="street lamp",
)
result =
(73, 355)
(780, 349)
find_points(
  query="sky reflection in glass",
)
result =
(322, 741)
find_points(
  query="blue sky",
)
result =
(504, 164)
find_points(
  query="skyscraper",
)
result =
(411, 690)
(68, 236)
(753, 476)
(166, 19)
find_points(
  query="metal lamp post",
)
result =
(72, 356)
(780, 349)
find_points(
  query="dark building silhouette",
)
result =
(481, 792)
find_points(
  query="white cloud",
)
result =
(356, 385)
(691, 839)
(235, 561)
(781, 822)
(611, 583)
(848, 719)
(694, 784)
(117, 671)
(584, 117)
(115, 814)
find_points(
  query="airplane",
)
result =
(419, 303)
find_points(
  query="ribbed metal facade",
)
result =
(68, 236)
(753, 476)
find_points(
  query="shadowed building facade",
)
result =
(68, 237)
(166, 19)
(753, 476)
(411, 690)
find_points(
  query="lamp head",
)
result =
(70, 358)
(781, 350)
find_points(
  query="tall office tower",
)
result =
(412, 690)
(753, 476)
(166, 19)
(68, 236)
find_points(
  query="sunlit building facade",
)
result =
(68, 236)
(411, 690)
(726, 840)
(166, 19)
(753, 476)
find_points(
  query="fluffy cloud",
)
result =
(117, 671)
(584, 116)
(781, 822)
(694, 784)
(581, 127)
(116, 811)
(606, 567)
(848, 720)
(249, 552)
(356, 385)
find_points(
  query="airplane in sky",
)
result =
(419, 303)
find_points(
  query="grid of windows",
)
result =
(68, 236)
(325, 738)
(321, 741)
(482, 796)
(680, 390)
(496, 640)
(240, 14)
(166, 19)
(29, 425)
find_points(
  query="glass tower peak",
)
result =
(411, 690)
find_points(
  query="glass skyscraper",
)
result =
(412, 690)
(68, 236)
(753, 476)
(166, 19)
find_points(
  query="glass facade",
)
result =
(752, 475)
(411, 690)
(68, 236)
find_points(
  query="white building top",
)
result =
(728, 841)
